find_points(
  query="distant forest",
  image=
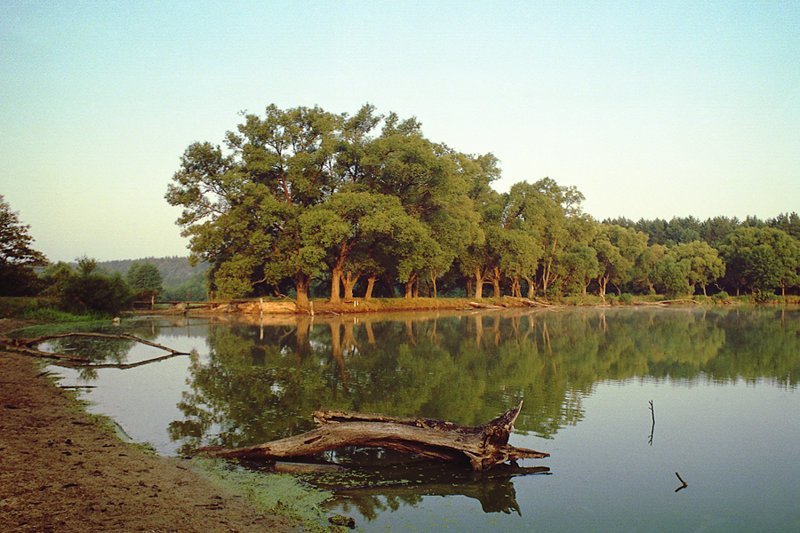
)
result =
(180, 280)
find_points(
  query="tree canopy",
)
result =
(305, 199)
(17, 255)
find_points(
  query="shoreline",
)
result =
(322, 307)
(66, 470)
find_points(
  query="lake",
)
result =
(722, 382)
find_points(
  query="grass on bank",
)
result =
(41, 310)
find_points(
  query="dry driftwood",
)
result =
(478, 305)
(483, 446)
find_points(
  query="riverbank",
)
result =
(386, 305)
(63, 470)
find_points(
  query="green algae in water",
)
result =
(279, 493)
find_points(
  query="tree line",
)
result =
(365, 203)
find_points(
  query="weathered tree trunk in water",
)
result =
(483, 446)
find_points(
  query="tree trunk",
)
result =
(531, 287)
(478, 283)
(547, 269)
(602, 282)
(433, 286)
(349, 281)
(410, 287)
(370, 287)
(516, 289)
(496, 282)
(336, 279)
(301, 283)
(481, 446)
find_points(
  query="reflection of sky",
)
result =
(143, 400)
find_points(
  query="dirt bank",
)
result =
(60, 471)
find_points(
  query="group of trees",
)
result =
(365, 204)
(737, 256)
(86, 288)
(302, 196)
(302, 191)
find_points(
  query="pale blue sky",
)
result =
(652, 109)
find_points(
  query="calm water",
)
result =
(723, 385)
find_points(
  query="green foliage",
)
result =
(275, 493)
(193, 288)
(39, 309)
(91, 291)
(703, 261)
(144, 280)
(303, 196)
(721, 296)
(672, 277)
(175, 272)
(761, 259)
(17, 257)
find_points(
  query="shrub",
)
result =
(763, 297)
(94, 292)
(721, 296)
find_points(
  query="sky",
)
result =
(651, 109)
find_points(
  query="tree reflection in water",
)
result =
(262, 382)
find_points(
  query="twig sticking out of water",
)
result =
(653, 425)
(683, 483)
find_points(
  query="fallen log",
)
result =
(26, 346)
(536, 303)
(478, 305)
(483, 446)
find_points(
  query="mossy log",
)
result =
(482, 446)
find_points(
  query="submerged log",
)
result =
(483, 446)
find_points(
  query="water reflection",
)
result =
(249, 382)
(261, 381)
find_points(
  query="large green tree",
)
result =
(17, 255)
(617, 249)
(705, 265)
(145, 281)
(241, 207)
